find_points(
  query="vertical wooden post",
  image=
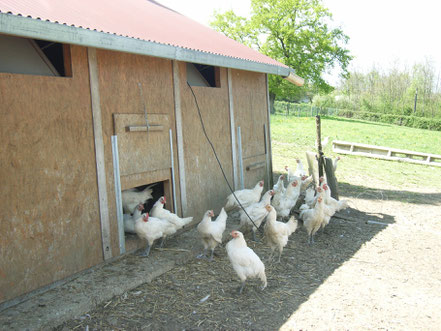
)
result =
(319, 146)
(179, 137)
(232, 129)
(99, 152)
(269, 160)
(330, 177)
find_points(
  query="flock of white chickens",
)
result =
(255, 208)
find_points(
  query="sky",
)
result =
(383, 33)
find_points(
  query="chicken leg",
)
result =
(212, 255)
(254, 236)
(162, 242)
(241, 288)
(146, 251)
(203, 254)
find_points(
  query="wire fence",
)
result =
(285, 108)
(302, 110)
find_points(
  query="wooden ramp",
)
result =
(385, 153)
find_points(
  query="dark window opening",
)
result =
(34, 57)
(203, 75)
(57, 54)
(157, 192)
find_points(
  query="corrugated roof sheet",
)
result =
(139, 19)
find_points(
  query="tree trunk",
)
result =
(272, 98)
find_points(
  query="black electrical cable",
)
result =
(217, 159)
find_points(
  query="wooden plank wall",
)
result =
(50, 226)
(119, 75)
(250, 112)
(205, 184)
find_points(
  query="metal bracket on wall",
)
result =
(118, 197)
(239, 144)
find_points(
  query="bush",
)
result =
(410, 121)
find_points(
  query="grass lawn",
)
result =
(292, 136)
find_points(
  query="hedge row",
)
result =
(410, 121)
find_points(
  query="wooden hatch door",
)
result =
(144, 155)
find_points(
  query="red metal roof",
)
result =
(140, 19)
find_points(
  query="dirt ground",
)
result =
(358, 275)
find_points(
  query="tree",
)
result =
(296, 33)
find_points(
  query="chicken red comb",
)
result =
(164, 200)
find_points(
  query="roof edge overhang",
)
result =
(38, 29)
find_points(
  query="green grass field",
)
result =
(292, 136)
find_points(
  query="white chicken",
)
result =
(132, 198)
(280, 186)
(334, 163)
(245, 196)
(290, 174)
(130, 220)
(284, 203)
(305, 180)
(159, 212)
(309, 197)
(313, 218)
(277, 233)
(150, 229)
(211, 231)
(245, 262)
(257, 212)
(337, 205)
(300, 171)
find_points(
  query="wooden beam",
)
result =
(232, 129)
(143, 128)
(319, 145)
(268, 151)
(99, 153)
(179, 138)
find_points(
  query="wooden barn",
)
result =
(97, 97)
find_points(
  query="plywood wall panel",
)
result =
(50, 226)
(206, 187)
(119, 77)
(250, 110)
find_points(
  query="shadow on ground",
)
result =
(202, 295)
(369, 193)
